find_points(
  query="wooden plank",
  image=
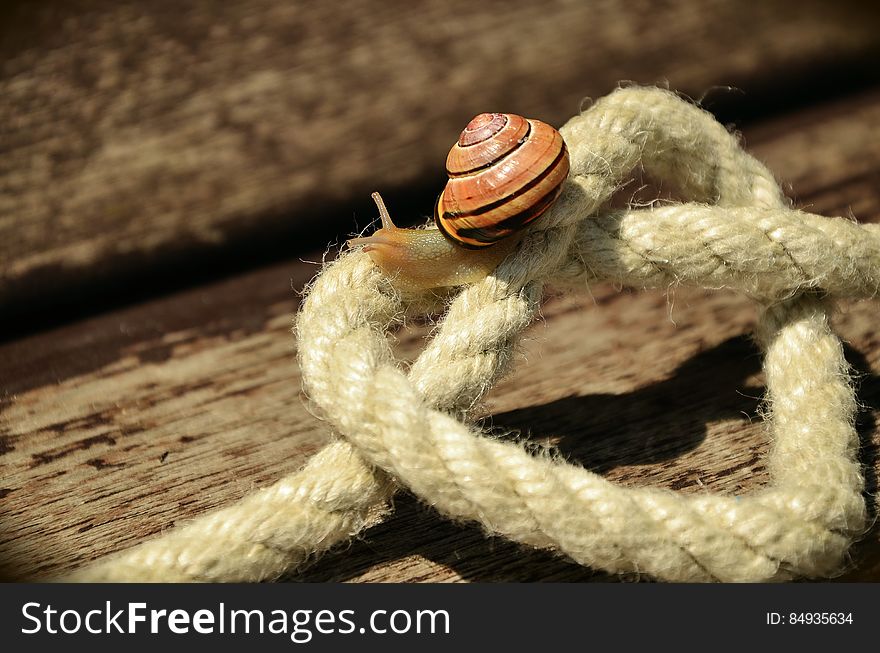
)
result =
(141, 144)
(117, 427)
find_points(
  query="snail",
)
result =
(504, 172)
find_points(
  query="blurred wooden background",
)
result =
(168, 177)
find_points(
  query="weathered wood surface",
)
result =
(136, 140)
(118, 427)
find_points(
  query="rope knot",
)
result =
(736, 231)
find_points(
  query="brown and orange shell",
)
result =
(504, 172)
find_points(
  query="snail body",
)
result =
(504, 172)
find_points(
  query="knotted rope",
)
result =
(404, 428)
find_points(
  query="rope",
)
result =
(408, 428)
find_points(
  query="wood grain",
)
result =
(138, 139)
(118, 427)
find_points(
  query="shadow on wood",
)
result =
(598, 431)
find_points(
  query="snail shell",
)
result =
(504, 172)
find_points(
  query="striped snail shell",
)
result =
(504, 172)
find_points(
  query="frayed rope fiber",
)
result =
(399, 428)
